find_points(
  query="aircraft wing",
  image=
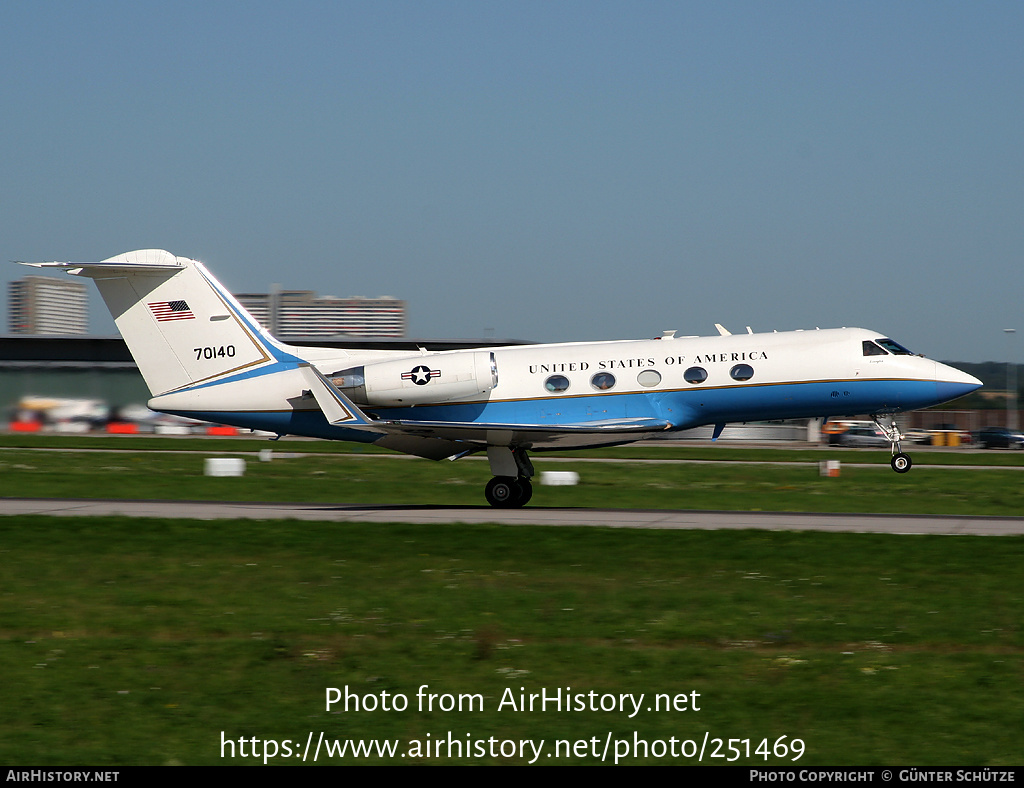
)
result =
(475, 430)
(441, 439)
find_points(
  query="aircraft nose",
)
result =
(953, 383)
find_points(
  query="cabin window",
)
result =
(695, 375)
(648, 378)
(894, 347)
(603, 381)
(871, 349)
(556, 383)
(742, 372)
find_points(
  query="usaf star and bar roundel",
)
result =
(421, 375)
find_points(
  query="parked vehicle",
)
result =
(1001, 438)
(863, 435)
(919, 435)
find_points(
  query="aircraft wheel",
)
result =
(901, 463)
(504, 492)
(525, 491)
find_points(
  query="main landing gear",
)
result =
(900, 462)
(510, 488)
(507, 492)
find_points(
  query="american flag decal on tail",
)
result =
(170, 310)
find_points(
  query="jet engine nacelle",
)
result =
(419, 380)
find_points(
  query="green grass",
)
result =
(392, 479)
(127, 641)
(141, 641)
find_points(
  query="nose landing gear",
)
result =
(900, 462)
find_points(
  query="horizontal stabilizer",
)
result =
(141, 261)
(94, 269)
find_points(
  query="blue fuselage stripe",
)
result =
(683, 408)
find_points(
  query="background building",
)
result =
(48, 305)
(300, 313)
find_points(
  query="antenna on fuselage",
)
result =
(723, 330)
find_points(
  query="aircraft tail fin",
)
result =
(180, 324)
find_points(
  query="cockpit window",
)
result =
(894, 347)
(871, 349)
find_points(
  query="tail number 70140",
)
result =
(224, 351)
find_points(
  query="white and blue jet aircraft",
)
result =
(203, 355)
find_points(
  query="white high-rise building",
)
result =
(300, 313)
(47, 305)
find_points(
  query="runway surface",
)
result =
(610, 518)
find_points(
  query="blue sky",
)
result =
(551, 171)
